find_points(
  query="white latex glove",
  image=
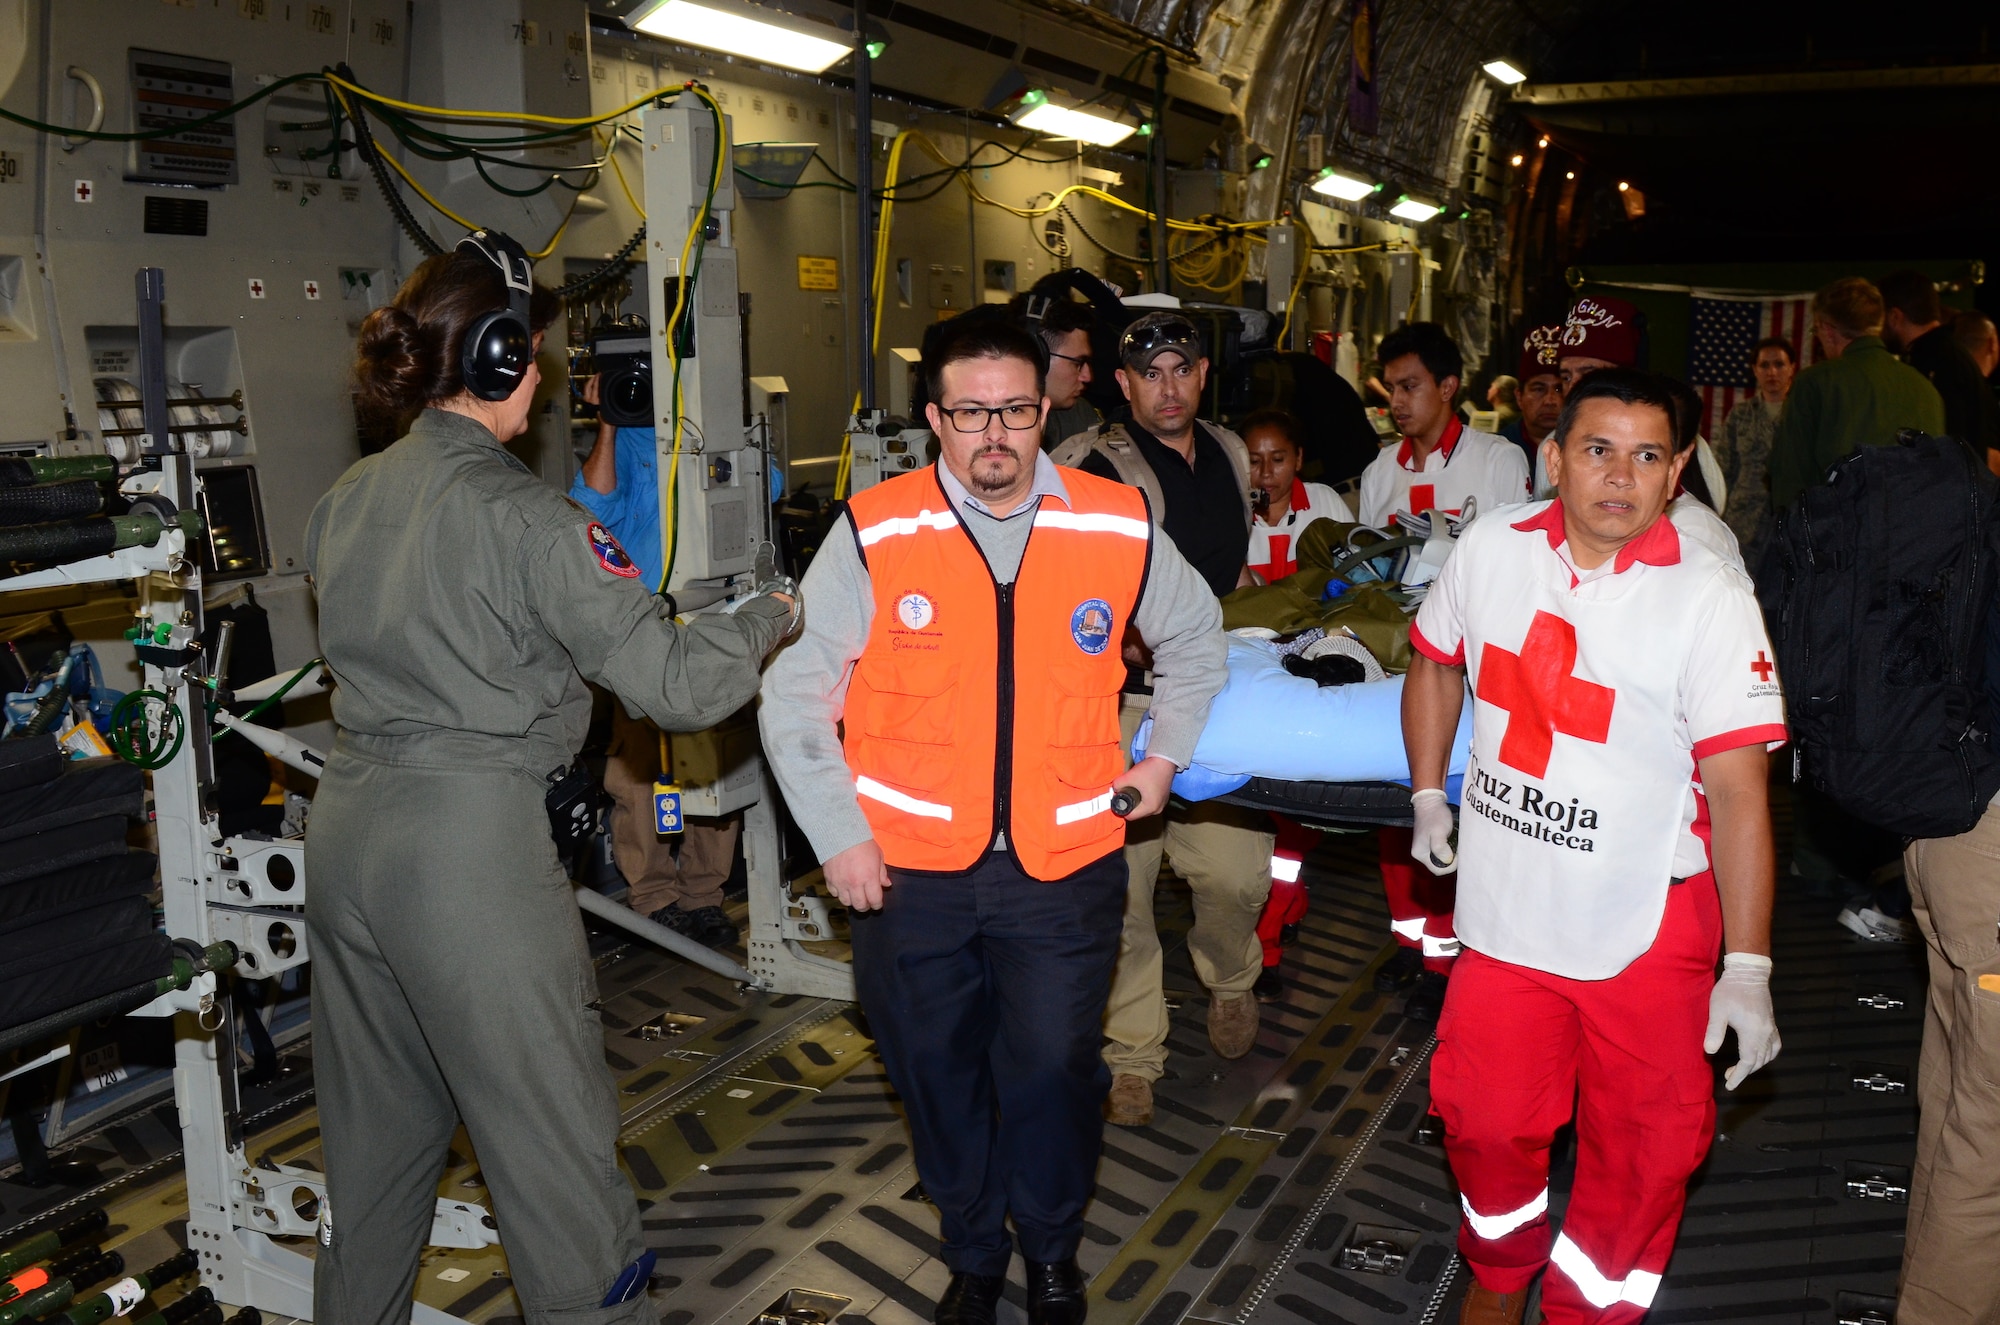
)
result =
(1741, 1001)
(1430, 840)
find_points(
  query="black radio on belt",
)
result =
(574, 801)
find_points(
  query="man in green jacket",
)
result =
(1857, 395)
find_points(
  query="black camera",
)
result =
(623, 355)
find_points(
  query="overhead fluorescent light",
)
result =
(1336, 185)
(1409, 209)
(756, 34)
(1062, 122)
(1504, 72)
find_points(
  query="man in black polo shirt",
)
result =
(1196, 477)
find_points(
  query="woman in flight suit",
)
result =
(463, 604)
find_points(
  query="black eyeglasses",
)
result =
(1161, 335)
(975, 418)
(1072, 358)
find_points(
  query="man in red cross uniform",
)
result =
(1614, 836)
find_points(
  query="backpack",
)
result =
(1878, 587)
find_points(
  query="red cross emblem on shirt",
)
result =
(1541, 695)
(1762, 667)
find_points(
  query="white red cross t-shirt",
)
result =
(1463, 464)
(1274, 548)
(1594, 695)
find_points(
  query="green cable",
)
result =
(146, 135)
(127, 734)
(276, 696)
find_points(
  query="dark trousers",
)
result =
(985, 993)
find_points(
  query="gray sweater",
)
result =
(805, 687)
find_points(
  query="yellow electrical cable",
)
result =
(611, 152)
(454, 217)
(877, 295)
(504, 116)
(1305, 257)
(668, 529)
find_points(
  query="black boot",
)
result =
(970, 1298)
(1055, 1293)
(1400, 971)
(1426, 1001)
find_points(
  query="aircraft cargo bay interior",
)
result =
(780, 662)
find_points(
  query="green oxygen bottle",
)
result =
(57, 1294)
(127, 1293)
(47, 1243)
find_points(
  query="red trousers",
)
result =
(1420, 902)
(1515, 1047)
(1287, 903)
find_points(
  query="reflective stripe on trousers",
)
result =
(1637, 1287)
(1492, 1227)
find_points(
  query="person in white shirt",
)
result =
(1440, 462)
(1439, 465)
(1615, 837)
(1282, 503)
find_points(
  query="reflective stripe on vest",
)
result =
(951, 657)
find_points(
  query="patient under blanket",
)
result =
(1269, 723)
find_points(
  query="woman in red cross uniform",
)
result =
(1613, 839)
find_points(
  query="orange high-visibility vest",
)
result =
(975, 703)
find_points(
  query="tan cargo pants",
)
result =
(1224, 854)
(1951, 1256)
(708, 847)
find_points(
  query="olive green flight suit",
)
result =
(462, 605)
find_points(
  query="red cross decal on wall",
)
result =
(1541, 695)
(1762, 667)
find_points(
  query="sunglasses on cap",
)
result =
(1160, 336)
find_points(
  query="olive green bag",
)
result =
(1372, 612)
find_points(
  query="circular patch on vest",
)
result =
(915, 611)
(1090, 625)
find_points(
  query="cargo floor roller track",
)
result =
(1298, 1185)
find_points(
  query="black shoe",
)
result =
(711, 928)
(674, 918)
(706, 925)
(970, 1299)
(1270, 986)
(1400, 971)
(1287, 935)
(1055, 1293)
(1426, 1001)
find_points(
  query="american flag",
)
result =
(1725, 326)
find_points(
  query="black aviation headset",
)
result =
(500, 345)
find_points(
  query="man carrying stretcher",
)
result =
(1614, 837)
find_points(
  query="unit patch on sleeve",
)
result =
(609, 554)
(1090, 625)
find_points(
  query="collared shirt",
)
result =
(1204, 514)
(1863, 398)
(1047, 483)
(631, 510)
(1465, 464)
(1595, 696)
(805, 686)
(1274, 548)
